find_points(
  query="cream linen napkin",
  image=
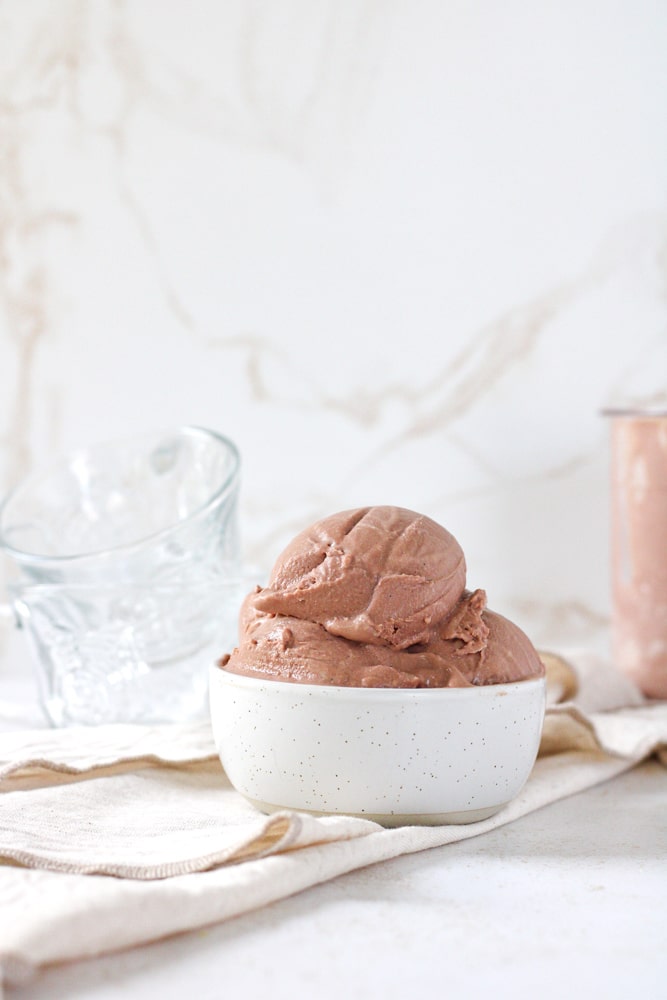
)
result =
(116, 836)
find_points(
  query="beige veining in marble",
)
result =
(347, 235)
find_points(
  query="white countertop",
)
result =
(570, 901)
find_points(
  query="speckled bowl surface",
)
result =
(397, 756)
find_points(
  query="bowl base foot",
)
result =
(392, 819)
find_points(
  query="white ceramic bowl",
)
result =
(397, 756)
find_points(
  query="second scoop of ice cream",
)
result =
(375, 597)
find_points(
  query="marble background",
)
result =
(401, 252)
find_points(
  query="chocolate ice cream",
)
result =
(375, 597)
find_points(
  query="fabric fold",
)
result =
(141, 825)
(79, 749)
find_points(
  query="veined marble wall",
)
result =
(401, 252)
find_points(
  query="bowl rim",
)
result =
(349, 693)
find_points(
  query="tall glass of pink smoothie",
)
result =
(639, 546)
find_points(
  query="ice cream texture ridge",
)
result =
(376, 597)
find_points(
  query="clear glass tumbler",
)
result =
(129, 579)
(639, 546)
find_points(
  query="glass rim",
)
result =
(34, 558)
(237, 580)
(629, 412)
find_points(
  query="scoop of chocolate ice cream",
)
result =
(375, 597)
(382, 575)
